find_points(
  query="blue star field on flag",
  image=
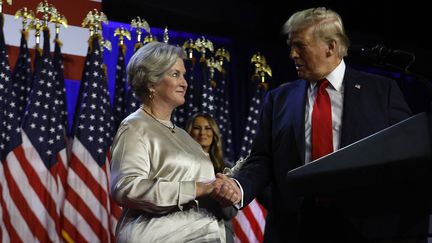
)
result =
(22, 75)
(42, 119)
(59, 82)
(120, 88)
(10, 135)
(94, 120)
(252, 122)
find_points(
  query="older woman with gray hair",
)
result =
(159, 173)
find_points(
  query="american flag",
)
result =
(7, 98)
(252, 121)
(59, 77)
(250, 221)
(190, 106)
(10, 140)
(82, 87)
(223, 116)
(37, 58)
(120, 87)
(208, 94)
(63, 115)
(22, 75)
(132, 102)
(30, 170)
(90, 215)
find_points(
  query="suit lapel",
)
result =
(298, 105)
(352, 103)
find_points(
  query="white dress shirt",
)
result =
(336, 93)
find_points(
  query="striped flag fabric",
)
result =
(31, 206)
(10, 140)
(86, 198)
(44, 144)
(60, 100)
(89, 213)
(250, 221)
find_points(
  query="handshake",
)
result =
(224, 190)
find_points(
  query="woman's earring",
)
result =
(151, 95)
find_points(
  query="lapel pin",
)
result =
(357, 86)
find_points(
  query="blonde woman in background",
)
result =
(203, 128)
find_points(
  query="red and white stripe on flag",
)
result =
(26, 186)
(249, 223)
(35, 158)
(87, 216)
(29, 192)
(88, 209)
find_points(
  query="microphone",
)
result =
(378, 50)
(386, 56)
(381, 50)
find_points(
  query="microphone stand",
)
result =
(397, 61)
(382, 57)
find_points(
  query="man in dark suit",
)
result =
(360, 104)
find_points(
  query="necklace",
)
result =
(152, 116)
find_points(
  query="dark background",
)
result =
(392, 34)
(255, 25)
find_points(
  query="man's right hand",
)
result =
(226, 192)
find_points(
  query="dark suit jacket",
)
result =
(371, 103)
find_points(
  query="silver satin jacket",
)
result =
(153, 174)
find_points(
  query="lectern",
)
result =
(384, 180)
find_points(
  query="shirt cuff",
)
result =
(186, 193)
(240, 204)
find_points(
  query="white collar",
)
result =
(336, 76)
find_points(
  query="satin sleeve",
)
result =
(131, 185)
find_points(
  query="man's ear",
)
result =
(332, 48)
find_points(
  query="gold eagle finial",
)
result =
(261, 68)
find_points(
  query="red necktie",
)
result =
(322, 132)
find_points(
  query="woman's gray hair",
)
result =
(149, 64)
(328, 26)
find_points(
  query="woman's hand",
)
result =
(203, 189)
(229, 193)
(223, 189)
